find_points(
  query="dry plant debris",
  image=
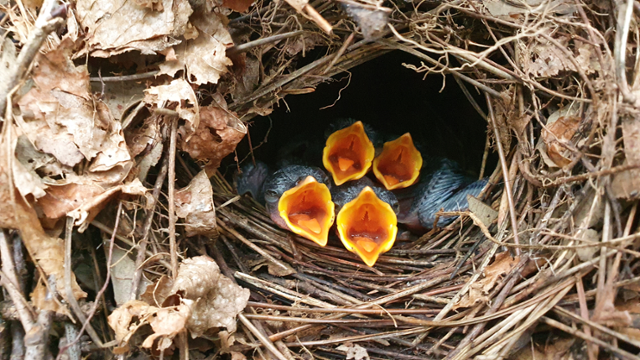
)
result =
(194, 204)
(117, 114)
(204, 299)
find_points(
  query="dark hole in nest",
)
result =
(390, 97)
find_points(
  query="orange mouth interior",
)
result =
(398, 165)
(307, 210)
(367, 226)
(348, 154)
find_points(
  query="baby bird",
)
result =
(348, 151)
(366, 221)
(251, 178)
(297, 198)
(399, 163)
(442, 186)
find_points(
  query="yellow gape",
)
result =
(348, 154)
(307, 210)
(398, 165)
(367, 226)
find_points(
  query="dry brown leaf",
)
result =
(42, 300)
(194, 204)
(632, 309)
(121, 319)
(149, 160)
(120, 96)
(47, 251)
(298, 44)
(216, 299)
(159, 292)
(178, 91)
(204, 58)
(60, 117)
(587, 253)
(483, 211)
(155, 5)
(36, 162)
(508, 117)
(112, 162)
(89, 209)
(558, 133)
(73, 28)
(237, 5)
(280, 270)
(32, 5)
(588, 214)
(478, 291)
(354, 351)
(122, 268)
(117, 26)
(627, 184)
(27, 181)
(501, 266)
(146, 136)
(630, 298)
(167, 323)
(208, 301)
(7, 59)
(519, 123)
(554, 135)
(587, 58)
(55, 109)
(246, 70)
(610, 315)
(545, 59)
(146, 140)
(237, 356)
(372, 20)
(633, 333)
(219, 132)
(504, 111)
(226, 341)
(554, 349)
(83, 201)
(502, 9)
(62, 199)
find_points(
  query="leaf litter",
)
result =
(199, 299)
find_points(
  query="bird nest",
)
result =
(544, 264)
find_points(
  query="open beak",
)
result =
(348, 154)
(398, 165)
(367, 226)
(307, 210)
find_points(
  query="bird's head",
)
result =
(307, 210)
(367, 226)
(348, 153)
(398, 165)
